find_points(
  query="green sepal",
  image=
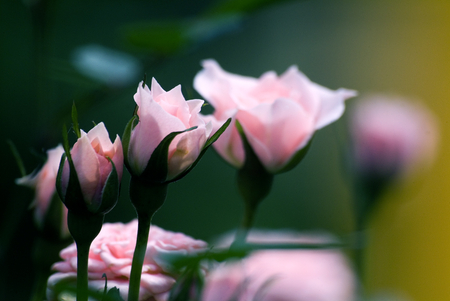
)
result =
(113, 295)
(110, 193)
(126, 137)
(254, 181)
(297, 158)
(76, 126)
(208, 143)
(73, 197)
(157, 167)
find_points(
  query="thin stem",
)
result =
(83, 228)
(144, 221)
(246, 224)
(82, 270)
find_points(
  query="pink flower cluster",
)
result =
(112, 253)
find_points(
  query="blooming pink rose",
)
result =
(90, 157)
(279, 115)
(391, 136)
(111, 253)
(161, 113)
(283, 275)
(43, 182)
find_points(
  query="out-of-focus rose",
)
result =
(43, 182)
(391, 136)
(90, 158)
(161, 113)
(111, 253)
(283, 275)
(279, 115)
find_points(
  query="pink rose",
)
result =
(43, 182)
(90, 158)
(283, 275)
(161, 113)
(279, 114)
(111, 253)
(391, 136)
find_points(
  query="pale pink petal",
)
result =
(158, 283)
(331, 105)
(87, 167)
(100, 135)
(185, 150)
(276, 131)
(154, 125)
(229, 144)
(214, 84)
(118, 156)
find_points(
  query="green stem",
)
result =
(82, 271)
(246, 224)
(146, 198)
(144, 221)
(83, 228)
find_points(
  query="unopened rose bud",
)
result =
(43, 183)
(391, 136)
(93, 185)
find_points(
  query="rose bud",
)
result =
(170, 136)
(43, 183)
(278, 114)
(89, 181)
(391, 136)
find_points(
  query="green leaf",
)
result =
(76, 126)
(17, 157)
(297, 158)
(157, 167)
(208, 143)
(110, 193)
(126, 140)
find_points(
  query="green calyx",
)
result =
(254, 181)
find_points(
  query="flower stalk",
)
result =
(146, 198)
(83, 228)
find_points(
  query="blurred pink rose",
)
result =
(89, 155)
(283, 275)
(161, 113)
(43, 182)
(391, 136)
(279, 114)
(111, 253)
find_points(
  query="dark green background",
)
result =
(363, 45)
